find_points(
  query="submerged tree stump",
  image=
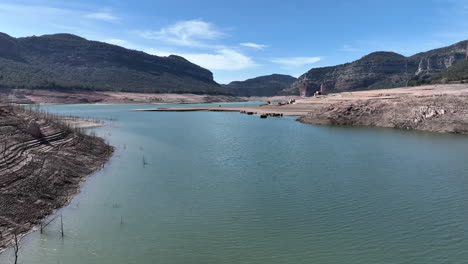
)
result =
(34, 129)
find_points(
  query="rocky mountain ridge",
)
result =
(379, 70)
(67, 62)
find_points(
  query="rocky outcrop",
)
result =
(444, 113)
(457, 72)
(374, 71)
(379, 70)
(438, 60)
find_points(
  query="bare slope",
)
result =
(42, 164)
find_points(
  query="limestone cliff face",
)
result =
(438, 60)
(378, 70)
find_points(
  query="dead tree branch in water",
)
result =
(43, 226)
(145, 162)
(61, 224)
(16, 247)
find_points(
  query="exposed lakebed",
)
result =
(207, 187)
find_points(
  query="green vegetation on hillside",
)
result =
(269, 85)
(456, 73)
(66, 62)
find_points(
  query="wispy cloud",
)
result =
(348, 48)
(254, 45)
(119, 42)
(203, 36)
(192, 33)
(296, 61)
(223, 59)
(103, 16)
(20, 9)
(197, 40)
(43, 17)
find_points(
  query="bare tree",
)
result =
(144, 161)
(61, 224)
(44, 225)
(16, 247)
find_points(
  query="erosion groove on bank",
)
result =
(43, 162)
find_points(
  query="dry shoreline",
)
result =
(437, 108)
(81, 123)
(43, 164)
(23, 96)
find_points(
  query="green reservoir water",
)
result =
(228, 188)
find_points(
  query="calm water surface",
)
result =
(230, 188)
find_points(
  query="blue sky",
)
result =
(242, 39)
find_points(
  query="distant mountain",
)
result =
(269, 85)
(65, 61)
(379, 70)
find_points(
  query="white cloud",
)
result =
(160, 52)
(119, 42)
(223, 59)
(38, 19)
(198, 34)
(254, 45)
(104, 16)
(116, 41)
(296, 61)
(186, 33)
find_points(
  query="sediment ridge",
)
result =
(43, 162)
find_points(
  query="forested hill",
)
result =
(269, 85)
(66, 62)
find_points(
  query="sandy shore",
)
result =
(438, 108)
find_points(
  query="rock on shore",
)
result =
(435, 113)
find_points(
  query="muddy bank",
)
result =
(438, 108)
(22, 96)
(43, 162)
